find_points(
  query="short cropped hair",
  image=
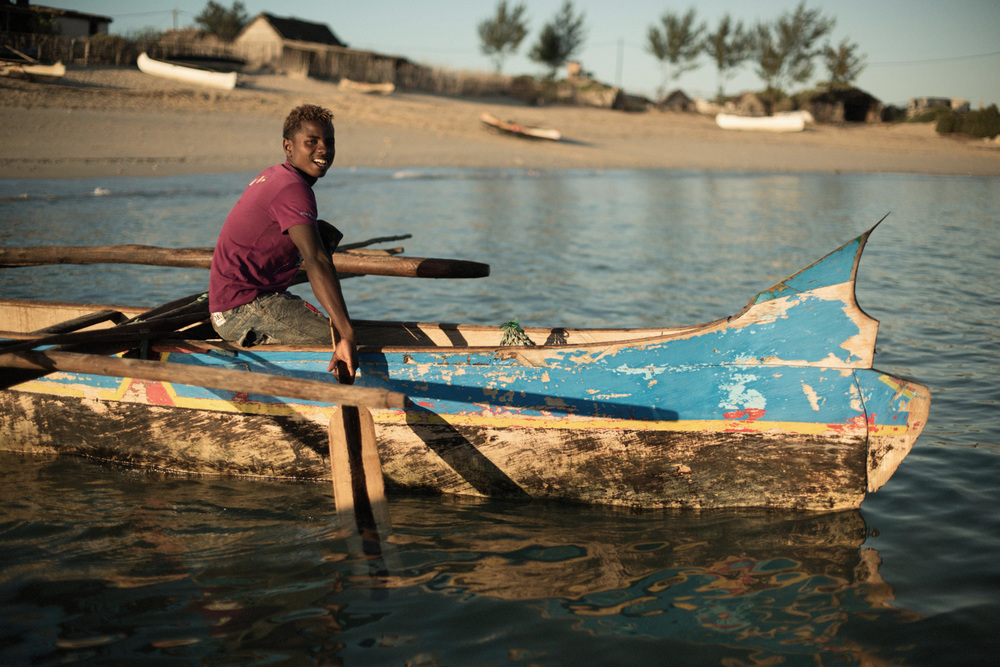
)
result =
(305, 113)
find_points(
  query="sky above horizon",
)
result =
(912, 48)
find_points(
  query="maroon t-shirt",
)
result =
(254, 253)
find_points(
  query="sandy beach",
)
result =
(103, 121)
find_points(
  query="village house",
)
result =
(919, 105)
(747, 104)
(677, 101)
(851, 105)
(18, 16)
(305, 49)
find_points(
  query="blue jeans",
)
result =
(273, 319)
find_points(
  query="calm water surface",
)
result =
(102, 564)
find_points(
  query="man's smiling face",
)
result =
(311, 149)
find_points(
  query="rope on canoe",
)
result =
(513, 335)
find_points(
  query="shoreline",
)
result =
(109, 122)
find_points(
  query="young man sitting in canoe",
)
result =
(271, 231)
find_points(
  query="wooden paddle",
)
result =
(358, 485)
(201, 258)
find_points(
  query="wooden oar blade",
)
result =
(374, 479)
(358, 485)
(340, 464)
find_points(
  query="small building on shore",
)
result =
(283, 44)
(919, 105)
(849, 105)
(747, 104)
(302, 48)
(22, 17)
(677, 101)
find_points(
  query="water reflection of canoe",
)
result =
(776, 585)
(195, 75)
(587, 552)
(776, 406)
(517, 129)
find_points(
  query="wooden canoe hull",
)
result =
(640, 463)
(777, 406)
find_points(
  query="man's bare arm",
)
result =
(323, 278)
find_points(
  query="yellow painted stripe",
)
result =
(585, 424)
(898, 387)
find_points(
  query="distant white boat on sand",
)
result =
(33, 71)
(195, 75)
(368, 88)
(791, 121)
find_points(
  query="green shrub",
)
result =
(109, 41)
(931, 115)
(984, 124)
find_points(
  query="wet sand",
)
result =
(100, 122)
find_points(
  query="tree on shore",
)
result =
(843, 63)
(502, 34)
(676, 43)
(221, 22)
(786, 49)
(729, 47)
(560, 39)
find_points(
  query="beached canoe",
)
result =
(785, 122)
(776, 406)
(385, 88)
(528, 131)
(196, 75)
(33, 71)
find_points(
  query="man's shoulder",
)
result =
(280, 176)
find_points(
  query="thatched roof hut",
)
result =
(850, 105)
(747, 104)
(677, 101)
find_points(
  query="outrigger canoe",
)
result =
(196, 75)
(528, 131)
(777, 406)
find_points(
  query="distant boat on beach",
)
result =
(15, 64)
(368, 88)
(196, 75)
(32, 71)
(520, 130)
(791, 121)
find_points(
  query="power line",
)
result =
(159, 13)
(934, 60)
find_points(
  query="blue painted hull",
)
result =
(777, 406)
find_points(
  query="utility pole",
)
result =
(618, 69)
(175, 18)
